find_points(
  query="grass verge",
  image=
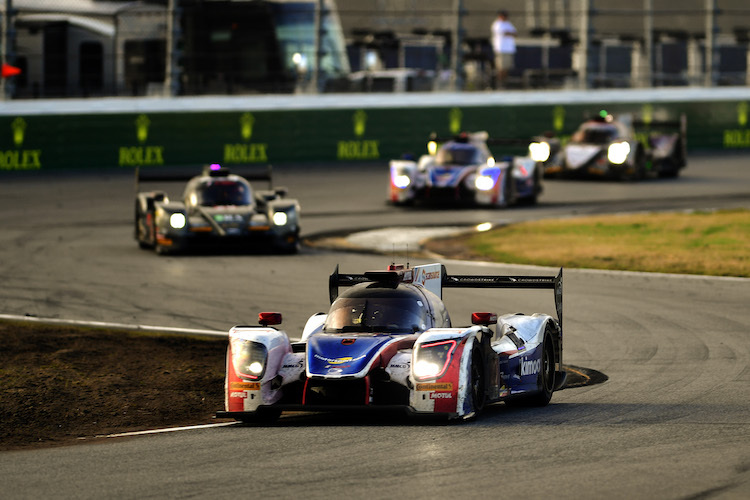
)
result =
(709, 242)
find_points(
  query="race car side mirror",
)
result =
(483, 318)
(269, 318)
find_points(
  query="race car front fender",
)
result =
(403, 177)
(247, 387)
(449, 393)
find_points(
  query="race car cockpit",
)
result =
(371, 307)
(222, 192)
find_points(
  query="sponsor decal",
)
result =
(337, 361)
(244, 386)
(20, 159)
(454, 119)
(441, 395)
(401, 366)
(739, 138)
(558, 118)
(246, 152)
(298, 364)
(445, 386)
(359, 149)
(530, 367)
(143, 155)
(241, 394)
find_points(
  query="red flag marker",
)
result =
(8, 70)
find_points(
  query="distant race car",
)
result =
(619, 148)
(388, 342)
(463, 170)
(217, 208)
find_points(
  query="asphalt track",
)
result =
(671, 421)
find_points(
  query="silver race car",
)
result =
(463, 170)
(218, 209)
(617, 148)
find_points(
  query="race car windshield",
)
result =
(596, 135)
(458, 154)
(222, 192)
(386, 315)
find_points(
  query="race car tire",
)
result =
(262, 416)
(546, 378)
(478, 381)
(140, 228)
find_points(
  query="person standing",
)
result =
(504, 46)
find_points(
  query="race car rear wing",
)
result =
(187, 172)
(679, 124)
(397, 274)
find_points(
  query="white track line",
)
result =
(168, 429)
(119, 326)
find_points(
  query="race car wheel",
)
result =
(546, 381)
(478, 381)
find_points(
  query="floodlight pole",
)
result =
(711, 29)
(456, 50)
(585, 30)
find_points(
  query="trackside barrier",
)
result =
(143, 132)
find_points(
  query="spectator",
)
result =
(504, 47)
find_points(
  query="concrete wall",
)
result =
(106, 133)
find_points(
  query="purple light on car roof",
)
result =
(215, 166)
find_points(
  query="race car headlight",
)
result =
(432, 147)
(177, 220)
(431, 360)
(539, 151)
(401, 181)
(248, 358)
(484, 182)
(618, 152)
(280, 218)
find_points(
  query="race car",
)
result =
(622, 148)
(388, 342)
(218, 209)
(463, 170)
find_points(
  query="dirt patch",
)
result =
(59, 384)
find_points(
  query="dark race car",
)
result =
(618, 148)
(463, 170)
(218, 209)
(388, 342)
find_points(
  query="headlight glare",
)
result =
(618, 152)
(539, 151)
(280, 218)
(248, 358)
(484, 182)
(177, 220)
(401, 181)
(432, 360)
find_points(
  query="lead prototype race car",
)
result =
(218, 209)
(388, 342)
(463, 170)
(617, 148)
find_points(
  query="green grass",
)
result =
(712, 243)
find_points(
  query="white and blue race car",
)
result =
(463, 170)
(388, 342)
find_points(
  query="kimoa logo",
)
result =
(530, 367)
